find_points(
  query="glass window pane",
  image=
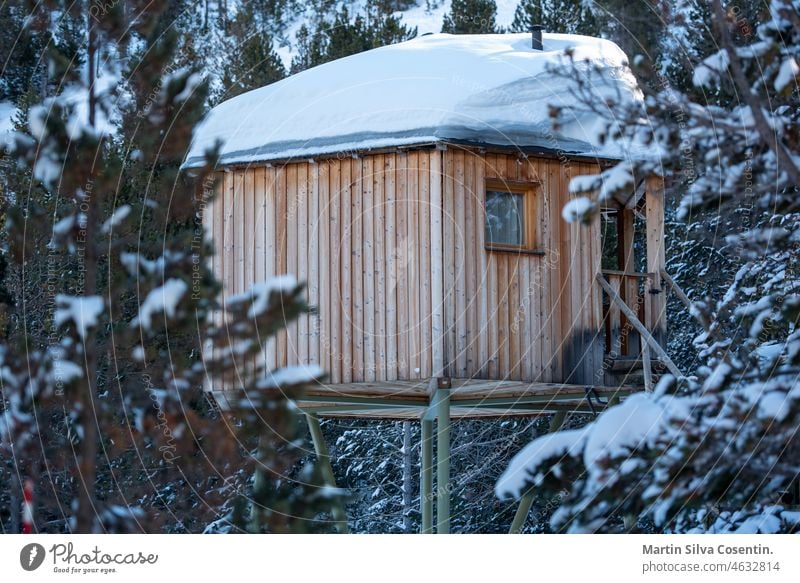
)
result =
(504, 224)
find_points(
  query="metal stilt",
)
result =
(443, 462)
(426, 477)
(324, 461)
(526, 501)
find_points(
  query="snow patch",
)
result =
(289, 376)
(83, 311)
(634, 423)
(260, 293)
(518, 474)
(707, 73)
(119, 215)
(577, 209)
(163, 299)
(786, 74)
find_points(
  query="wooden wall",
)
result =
(517, 315)
(392, 248)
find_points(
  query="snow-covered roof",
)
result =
(483, 89)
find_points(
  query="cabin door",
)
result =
(623, 266)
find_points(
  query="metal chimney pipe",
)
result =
(536, 37)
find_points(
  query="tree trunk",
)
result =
(84, 405)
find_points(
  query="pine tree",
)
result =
(559, 16)
(471, 17)
(116, 328)
(20, 48)
(252, 60)
(346, 36)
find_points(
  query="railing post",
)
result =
(647, 369)
(646, 336)
(656, 251)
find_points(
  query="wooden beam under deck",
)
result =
(469, 399)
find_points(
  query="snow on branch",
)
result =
(163, 299)
(84, 312)
(259, 294)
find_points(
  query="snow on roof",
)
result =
(484, 89)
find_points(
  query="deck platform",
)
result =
(469, 399)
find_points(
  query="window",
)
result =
(510, 217)
(505, 222)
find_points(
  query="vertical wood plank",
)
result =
(238, 231)
(460, 266)
(437, 265)
(301, 220)
(379, 265)
(259, 247)
(471, 225)
(548, 294)
(281, 214)
(271, 247)
(423, 205)
(335, 242)
(292, 224)
(392, 354)
(325, 261)
(368, 281)
(248, 251)
(314, 228)
(346, 191)
(483, 279)
(402, 275)
(414, 262)
(451, 230)
(357, 268)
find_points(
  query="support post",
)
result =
(656, 319)
(629, 286)
(647, 368)
(426, 477)
(526, 501)
(443, 462)
(324, 461)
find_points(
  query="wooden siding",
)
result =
(391, 246)
(512, 315)
(358, 231)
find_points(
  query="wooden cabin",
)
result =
(418, 190)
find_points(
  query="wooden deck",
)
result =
(469, 399)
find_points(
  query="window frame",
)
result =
(530, 234)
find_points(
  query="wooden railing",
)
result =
(624, 312)
(677, 289)
(622, 339)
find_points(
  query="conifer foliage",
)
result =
(471, 17)
(345, 35)
(115, 329)
(716, 451)
(559, 16)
